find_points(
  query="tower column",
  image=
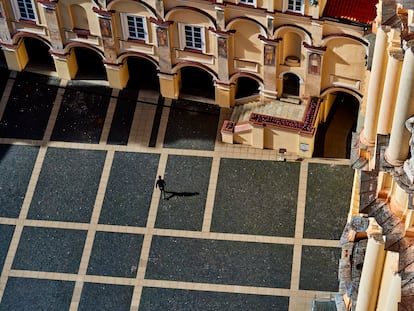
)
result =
(398, 147)
(370, 276)
(389, 95)
(375, 89)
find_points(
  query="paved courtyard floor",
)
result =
(83, 228)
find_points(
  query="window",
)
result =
(194, 37)
(295, 5)
(249, 2)
(25, 9)
(135, 27)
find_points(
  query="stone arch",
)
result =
(129, 6)
(79, 17)
(247, 84)
(247, 45)
(290, 50)
(38, 52)
(195, 80)
(142, 71)
(89, 61)
(339, 114)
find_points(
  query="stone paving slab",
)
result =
(187, 181)
(16, 165)
(319, 268)
(105, 297)
(67, 185)
(256, 197)
(6, 234)
(220, 262)
(192, 125)
(129, 189)
(82, 113)
(186, 300)
(115, 254)
(23, 294)
(327, 206)
(123, 116)
(50, 250)
(28, 108)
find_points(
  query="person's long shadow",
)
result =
(171, 194)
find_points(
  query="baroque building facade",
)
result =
(226, 51)
(377, 265)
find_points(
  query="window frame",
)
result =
(248, 2)
(183, 37)
(126, 27)
(28, 5)
(294, 5)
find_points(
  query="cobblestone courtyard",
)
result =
(83, 227)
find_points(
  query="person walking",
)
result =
(161, 185)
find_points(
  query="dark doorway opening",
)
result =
(333, 138)
(196, 82)
(3, 63)
(39, 56)
(142, 74)
(246, 87)
(291, 85)
(90, 65)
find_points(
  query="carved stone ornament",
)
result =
(100, 3)
(409, 164)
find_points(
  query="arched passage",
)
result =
(142, 74)
(3, 63)
(291, 84)
(196, 82)
(90, 65)
(246, 87)
(333, 138)
(38, 54)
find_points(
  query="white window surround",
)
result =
(134, 27)
(248, 2)
(296, 6)
(192, 37)
(24, 10)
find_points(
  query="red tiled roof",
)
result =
(362, 11)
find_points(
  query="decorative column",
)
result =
(169, 82)
(398, 146)
(371, 274)
(117, 74)
(269, 67)
(389, 95)
(53, 25)
(314, 68)
(375, 89)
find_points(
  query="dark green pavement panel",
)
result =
(23, 294)
(256, 197)
(67, 185)
(16, 165)
(192, 125)
(50, 250)
(187, 181)
(220, 262)
(29, 105)
(103, 297)
(82, 113)
(129, 190)
(328, 197)
(319, 268)
(6, 234)
(186, 300)
(4, 77)
(115, 254)
(123, 116)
